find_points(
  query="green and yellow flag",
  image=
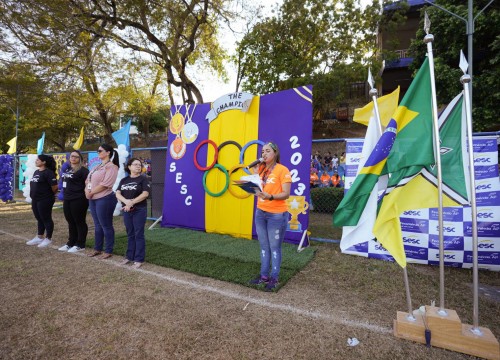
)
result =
(386, 106)
(415, 187)
(412, 147)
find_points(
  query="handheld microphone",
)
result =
(256, 162)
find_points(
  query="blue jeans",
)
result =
(102, 212)
(271, 229)
(134, 223)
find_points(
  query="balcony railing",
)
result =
(403, 53)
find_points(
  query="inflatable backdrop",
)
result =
(209, 146)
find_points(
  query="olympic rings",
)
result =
(234, 169)
(198, 166)
(245, 147)
(229, 142)
(223, 169)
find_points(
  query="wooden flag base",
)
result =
(447, 332)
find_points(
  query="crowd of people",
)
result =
(84, 189)
(327, 170)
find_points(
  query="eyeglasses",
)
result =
(74, 157)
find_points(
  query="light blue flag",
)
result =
(39, 148)
(122, 136)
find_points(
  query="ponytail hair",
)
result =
(49, 161)
(113, 154)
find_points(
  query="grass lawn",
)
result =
(217, 256)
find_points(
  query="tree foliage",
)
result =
(72, 46)
(23, 95)
(175, 34)
(306, 42)
(449, 38)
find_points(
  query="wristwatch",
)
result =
(271, 198)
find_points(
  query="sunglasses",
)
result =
(100, 150)
(273, 146)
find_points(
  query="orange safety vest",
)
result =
(325, 179)
(313, 179)
(335, 180)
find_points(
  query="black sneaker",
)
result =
(271, 284)
(259, 280)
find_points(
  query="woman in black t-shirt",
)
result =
(133, 192)
(75, 203)
(43, 187)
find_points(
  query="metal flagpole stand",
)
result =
(429, 38)
(465, 80)
(373, 94)
(437, 326)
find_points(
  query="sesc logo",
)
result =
(448, 229)
(483, 187)
(355, 160)
(485, 215)
(411, 240)
(486, 246)
(482, 160)
(380, 248)
(447, 256)
(411, 213)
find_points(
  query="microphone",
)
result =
(256, 162)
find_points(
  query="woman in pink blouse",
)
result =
(102, 199)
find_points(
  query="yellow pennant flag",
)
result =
(386, 105)
(13, 145)
(79, 142)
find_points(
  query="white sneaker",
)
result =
(75, 249)
(45, 243)
(64, 248)
(35, 241)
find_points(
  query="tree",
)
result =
(69, 41)
(305, 43)
(449, 38)
(22, 95)
(174, 34)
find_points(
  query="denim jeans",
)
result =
(271, 229)
(134, 223)
(102, 212)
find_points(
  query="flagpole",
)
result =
(373, 94)
(465, 80)
(428, 39)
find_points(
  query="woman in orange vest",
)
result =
(336, 180)
(313, 178)
(271, 215)
(325, 179)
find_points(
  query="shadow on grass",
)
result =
(220, 257)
